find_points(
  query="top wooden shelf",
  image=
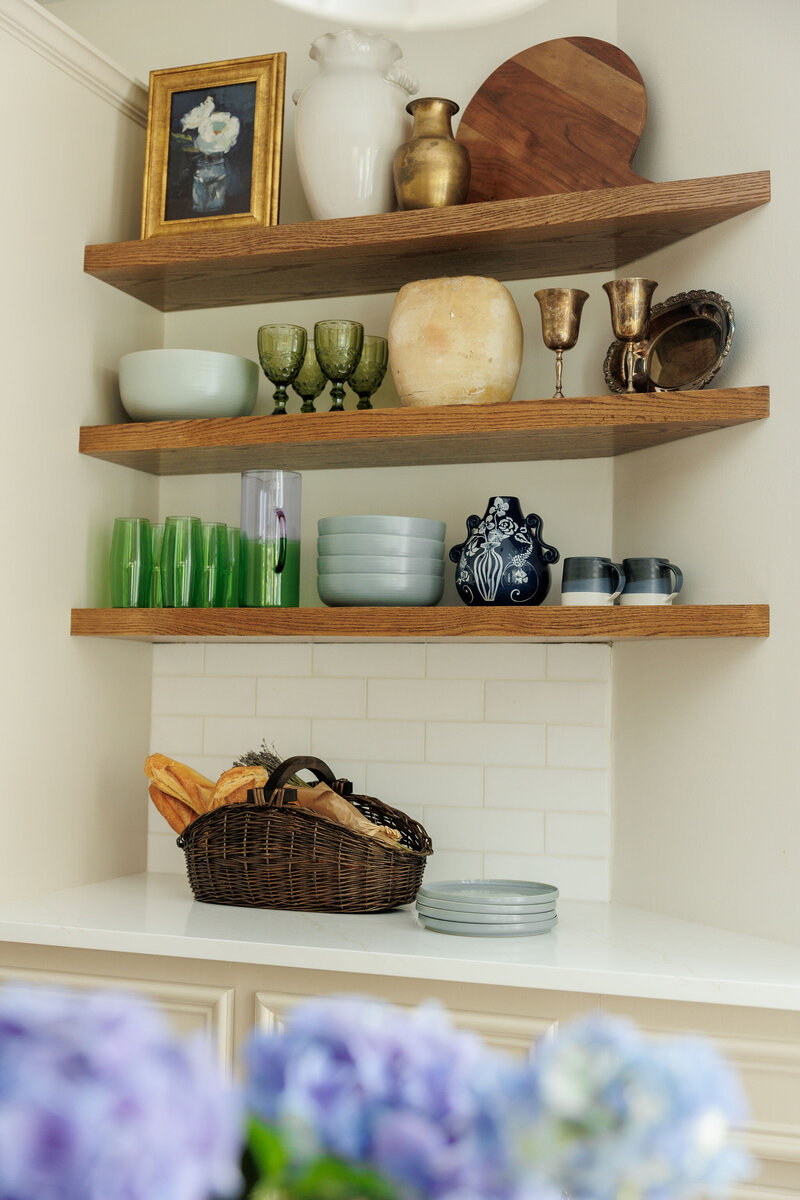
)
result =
(528, 238)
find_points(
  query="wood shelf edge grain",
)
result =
(581, 427)
(551, 623)
(528, 237)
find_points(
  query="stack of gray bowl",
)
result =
(380, 560)
(488, 907)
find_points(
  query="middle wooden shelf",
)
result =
(523, 430)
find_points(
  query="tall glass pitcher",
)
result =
(270, 539)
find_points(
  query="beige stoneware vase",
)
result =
(455, 341)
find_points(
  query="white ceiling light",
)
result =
(413, 14)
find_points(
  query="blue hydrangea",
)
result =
(402, 1091)
(614, 1114)
(99, 1101)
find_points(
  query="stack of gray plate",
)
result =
(376, 560)
(488, 907)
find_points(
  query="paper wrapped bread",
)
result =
(180, 782)
(327, 803)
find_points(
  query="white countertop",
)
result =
(599, 948)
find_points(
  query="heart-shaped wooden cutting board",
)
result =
(563, 116)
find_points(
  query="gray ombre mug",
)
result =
(650, 581)
(591, 580)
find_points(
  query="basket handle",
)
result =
(290, 766)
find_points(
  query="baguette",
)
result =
(180, 782)
(233, 785)
(177, 814)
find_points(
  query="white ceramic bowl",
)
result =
(380, 543)
(181, 385)
(421, 527)
(381, 564)
(376, 589)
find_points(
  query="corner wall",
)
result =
(74, 713)
(707, 823)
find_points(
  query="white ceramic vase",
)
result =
(455, 341)
(349, 122)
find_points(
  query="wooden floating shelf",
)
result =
(548, 624)
(585, 427)
(527, 238)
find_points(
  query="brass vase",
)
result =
(432, 169)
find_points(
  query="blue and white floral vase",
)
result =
(503, 560)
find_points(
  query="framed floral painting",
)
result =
(214, 135)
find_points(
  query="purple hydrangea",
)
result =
(614, 1114)
(402, 1091)
(99, 1101)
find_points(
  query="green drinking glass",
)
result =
(157, 538)
(233, 575)
(368, 375)
(215, 565)
(281, 351)
(338, 347)
(181, 562)
(130, 563)
(309, 381)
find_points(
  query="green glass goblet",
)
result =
(309, 381)
(281, 350)
(368, 375)
(338, 345)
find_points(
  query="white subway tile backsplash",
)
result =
(491, 661)
(178, 658)
(500, 751)
(311, 697)
(234, 736)
(484, 830)
(175, 736)
(273, 658)
(401, 784)
(577, 746)
(577, 833)
(370, 660)
(575, 878)
(570, 661)
(188, 695)
(449, 864)
(163, 855)
(546, 788)
(370, 740)
(548, 703)
(480, 743)
(425, 699)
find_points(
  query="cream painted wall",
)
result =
(706, 812)
(74, 713)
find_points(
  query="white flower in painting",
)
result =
(197, 115)
(217, 133)
(519, 576)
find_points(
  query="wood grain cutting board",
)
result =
(563, 116)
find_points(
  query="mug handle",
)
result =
(282, 542)
(678, 573)
(619, 586)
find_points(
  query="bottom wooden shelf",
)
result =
(549, 624)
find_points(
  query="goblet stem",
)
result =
(558, 394)
(280, 396)
(337, 396)
(308, 406)
(629, 365)
(364, 402)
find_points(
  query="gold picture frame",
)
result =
(214, 161)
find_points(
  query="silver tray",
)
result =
(688, 339)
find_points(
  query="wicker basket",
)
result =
(262, 855)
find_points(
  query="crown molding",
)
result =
(43, 33)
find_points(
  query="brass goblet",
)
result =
(281, 350)
(630, 317)
(368, 375)
(338, 345)
(309, 381)
(561, 323)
